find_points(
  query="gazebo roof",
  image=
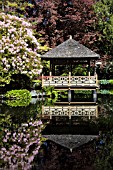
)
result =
(70, 141)
(70, 49)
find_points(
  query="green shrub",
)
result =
(111, 82)
(18, 102)
(104, 91)
(104, 81)
(51, 93)
(18, 98)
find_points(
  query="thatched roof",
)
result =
(70, 49)
(70, 141)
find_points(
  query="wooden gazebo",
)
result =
(71, 53)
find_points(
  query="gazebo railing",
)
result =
(69, 81)
(84, 111)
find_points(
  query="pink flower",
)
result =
(4, 140)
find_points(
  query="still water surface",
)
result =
(57, 136)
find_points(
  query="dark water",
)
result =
(55, 136)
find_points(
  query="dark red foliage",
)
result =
(56, 20)
(59, 19)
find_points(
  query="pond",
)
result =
(47, 135)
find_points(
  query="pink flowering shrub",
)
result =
(18, 48)
(20, 147)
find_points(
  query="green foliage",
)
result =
(51, 93)
(18, 102)
(83, 91)
(80, 70)
(103, 91)
(4, 120)
(36, 83)
(46, 67)
(18, 94)
(110, 92)
(104, 82)
(14, 4)
(12, 7)
(104, 12)
(20, 98)
(111, 82)
(104, 158)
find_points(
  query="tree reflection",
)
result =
(20, 137)
(19, 147)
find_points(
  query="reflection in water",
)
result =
(72, 127)
(70, 111)
(69, 124)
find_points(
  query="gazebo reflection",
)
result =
(70, 110)
(71, 125)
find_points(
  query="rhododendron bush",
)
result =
(18, 49)
(19, 147)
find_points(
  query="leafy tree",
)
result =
(56, 20)
(20, 136)
(18, 50)
(104, 12)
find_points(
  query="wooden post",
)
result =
(50, 112)
(50, 78)
(89, 115)
(53, 69)
(42, 111)
(97, 112)
(42, 81)
(97, 80)
(51, 66)
(69, 79)
(69, 112)
(95, 68)
(89, 70)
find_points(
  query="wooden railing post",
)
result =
(69, 112)
(89, 76)
(97, 112)
(42, 81)
(69, 79)
(50, 78)
(89, 113)
(50, 112)
(96, 79)
(42, 111)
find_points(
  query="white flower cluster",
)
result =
(18, 47)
